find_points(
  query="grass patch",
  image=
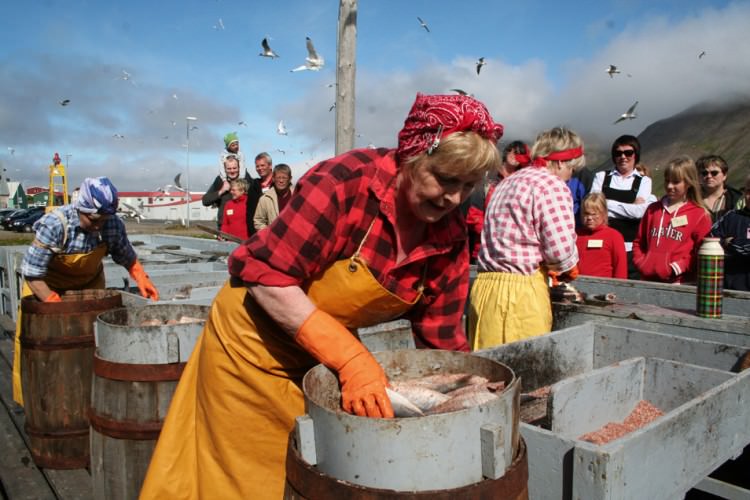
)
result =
(21, 239)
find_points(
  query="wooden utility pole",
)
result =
(346, 55)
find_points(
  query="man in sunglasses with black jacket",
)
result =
(627, 192)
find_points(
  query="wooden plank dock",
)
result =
(20, 478)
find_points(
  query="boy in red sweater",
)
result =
(601, 249)
(234, 221)
(666, 246)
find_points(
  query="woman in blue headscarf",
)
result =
(68, 249)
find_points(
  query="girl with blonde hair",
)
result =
(671, 231)
(528, 232)
(601, 249)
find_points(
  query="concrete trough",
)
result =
(707, 406)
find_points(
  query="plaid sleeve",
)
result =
(557, 227)
(436, 320)
(49, 234)
(115, 236)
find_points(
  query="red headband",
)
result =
(564, 155)
(433, 117)
(523, 159)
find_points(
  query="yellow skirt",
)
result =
(507, 307)
(225, 435)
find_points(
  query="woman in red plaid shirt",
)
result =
(529, 230)
(367, 237)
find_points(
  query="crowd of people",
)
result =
(377, 234)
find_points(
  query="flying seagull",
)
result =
(242, 123)
(281, 151)
(219, 25)
(267, 52)
(480, 63)
(459, 91)
(64, 102)
(333, 106)
(423, 24)
(628, 115)
(281, 128)
(127, 77)
(703, 53)
(118, 136)
(611, 70)
(11, 150)
(313, 61)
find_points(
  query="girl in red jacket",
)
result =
(666, 246)
(234, 220)
(601, 249)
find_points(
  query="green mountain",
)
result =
(722, 129)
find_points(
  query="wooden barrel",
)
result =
(57, 348)
(305, 482)
(137, 365)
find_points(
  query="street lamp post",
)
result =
(188, 119)
(67, 160)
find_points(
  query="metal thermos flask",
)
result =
(710, 278)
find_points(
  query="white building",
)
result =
(160, 205)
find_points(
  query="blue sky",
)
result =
(545, 66)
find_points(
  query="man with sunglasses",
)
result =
(68, 249)
(718, 197)
(627, 192)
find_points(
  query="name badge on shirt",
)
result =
(595, 244)
(679, 221)
(230, 211)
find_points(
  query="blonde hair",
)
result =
(239, 183)
(458, 154)
(643, 169)
(558, 139)
(683, 168)
(595, 202)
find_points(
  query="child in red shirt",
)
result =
(601, 249)
(234, 221)
(672, 229)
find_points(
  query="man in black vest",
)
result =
(627, 192)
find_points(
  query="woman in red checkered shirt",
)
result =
(367, 237)
(529, 230)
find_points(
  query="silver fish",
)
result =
(489, 387)
(463, 401)
(402, 407)
(448, 382)
(422, 397)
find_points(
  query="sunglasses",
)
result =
(712, 173)
(626, 153)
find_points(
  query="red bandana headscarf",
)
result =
(433, 117)
(523, 159)
(564, 155)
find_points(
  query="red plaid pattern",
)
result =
(327, 217)
(529, 222)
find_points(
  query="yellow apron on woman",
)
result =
(75, 271)
(226, 432)
(506, 307)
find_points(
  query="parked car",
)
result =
(6, 211)
(8, 222)
(26, 223)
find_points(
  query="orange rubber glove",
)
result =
(145, 285)
(53, 297)
(564, 277)
(362, 379)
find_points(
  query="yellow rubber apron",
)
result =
(506, 307)
(75, 271)
(226, 432)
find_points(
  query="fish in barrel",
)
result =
(441, 393)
